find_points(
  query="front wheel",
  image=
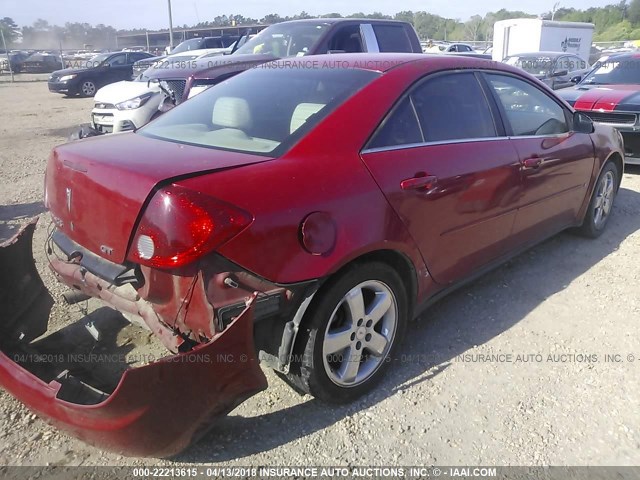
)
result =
(601, 204)
(87, 88)
(352, 331)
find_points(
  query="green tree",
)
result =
(405, 16)
(271, 19)
(9, 29)
(633, 12)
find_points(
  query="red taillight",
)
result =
(180, 225)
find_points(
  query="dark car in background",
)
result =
(84, 78)
(556, 69)
(41, 63)
(14, 63)
(610, 94)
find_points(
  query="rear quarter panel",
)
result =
(322, 173)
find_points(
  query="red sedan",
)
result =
(300, 213)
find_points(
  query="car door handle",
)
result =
(533, 162)
(423, 182)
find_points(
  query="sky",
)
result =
(153, 14)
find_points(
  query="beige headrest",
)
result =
(232, 112)
(302, 112)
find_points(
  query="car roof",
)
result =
(622, 55)
(383, 62)
(333, 20)
(543, 54)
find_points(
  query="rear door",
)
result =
(443, 162)
(556, 163)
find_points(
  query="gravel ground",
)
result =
(554, 312)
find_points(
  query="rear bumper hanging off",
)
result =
(155, 410)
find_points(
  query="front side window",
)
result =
(118, 60)
(528, 110)
(263, 111)
(285, 40)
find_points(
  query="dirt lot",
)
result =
(558, 309)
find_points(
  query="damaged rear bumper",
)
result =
(154, 410)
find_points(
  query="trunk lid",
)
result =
(95, 188)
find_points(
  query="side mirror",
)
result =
(560, 73)
(582, 123)
(576, 79)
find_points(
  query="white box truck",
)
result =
(524, 35)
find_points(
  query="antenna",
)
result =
(195, 6)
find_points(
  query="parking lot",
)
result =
(536, 363)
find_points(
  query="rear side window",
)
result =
(392, 38)
(453, 107)
(400, 128)
(528, 110)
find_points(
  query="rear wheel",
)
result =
(87, 88)
(601, 204)
(351, 333)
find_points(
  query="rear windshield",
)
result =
(262, 111)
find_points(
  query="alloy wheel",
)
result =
(360, 333)
(604, 199)
(88, 89)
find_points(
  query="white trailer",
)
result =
(525, 35)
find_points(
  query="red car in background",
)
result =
(610, 94)
(306, 209)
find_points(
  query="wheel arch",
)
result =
(618, 161)
(395, 259)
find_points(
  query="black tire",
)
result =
(310, 373)
(87, 88)
(598, 214)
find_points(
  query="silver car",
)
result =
(556, 69)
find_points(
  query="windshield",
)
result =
(614, 71)
(531, 64)
(264, 110)
(285, 40)
(193, 44)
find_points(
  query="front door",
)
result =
(556, 163)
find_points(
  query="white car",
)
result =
(125, 106)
